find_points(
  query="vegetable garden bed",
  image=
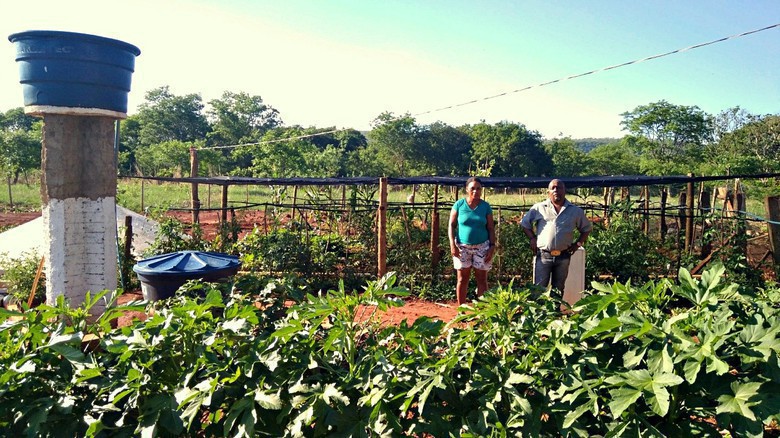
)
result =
(651, 360)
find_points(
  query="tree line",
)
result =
(239, 134)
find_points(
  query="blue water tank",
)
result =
(75, 70)
(163, 274)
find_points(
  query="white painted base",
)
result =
(80, 248)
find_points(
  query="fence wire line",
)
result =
(599, 70)
(674, 211)
(458, 181)
(506, 93)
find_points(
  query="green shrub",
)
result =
(19, 276)
(621, 249)
(279, 251)
(173, 236)
(514, 250)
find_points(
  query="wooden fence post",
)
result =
(128, 241)
(234, 230)
(295, 203)
(435, 230)
(224, 203)
(664, 228)
(705, 206)
(739, 199)
(739, 196)
(646, 210)
(194, 174)
(772, 204)
(265, 219)
(689, 215)
(681, 202)
(10, 194)
(143, 184)
(382, 229)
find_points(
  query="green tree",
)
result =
(567, 159)
(730, 120)
(588, 144)
(509, 150)
(616, 158)
(129, 141)
(395, 147)
(281, 155)
(335, 149)
(238, 118)
(449, 149)
(16, 120)
(20, 143)
(211, 161)
(294, 151)
(350, 140)
(752, 148)
(169, 158)
(166, 117)
(669, 138)
(326, 163)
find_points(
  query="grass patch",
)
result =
(22, 196)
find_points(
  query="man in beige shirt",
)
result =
(550, 225)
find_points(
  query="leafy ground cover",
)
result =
(265, 357)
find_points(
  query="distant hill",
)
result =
(586, 144)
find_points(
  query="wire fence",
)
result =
(683, 225)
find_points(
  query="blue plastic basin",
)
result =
(162, 275)
(76, 70)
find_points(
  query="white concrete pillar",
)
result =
(78, 190)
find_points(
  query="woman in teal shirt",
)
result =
(472, 239)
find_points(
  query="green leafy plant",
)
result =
(621, 249)
(227, 235)
(173, 236)
(19, 276)
(269, 357)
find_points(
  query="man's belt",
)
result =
(555, 252)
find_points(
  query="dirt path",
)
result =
(410, 311)
(8, 220)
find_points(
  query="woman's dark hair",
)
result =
(474, 179)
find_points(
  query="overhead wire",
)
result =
(278, 140)
(506, 93)
(599, 70)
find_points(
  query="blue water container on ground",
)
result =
(74, 70)
(163, 274)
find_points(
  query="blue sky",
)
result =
(343, 62)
